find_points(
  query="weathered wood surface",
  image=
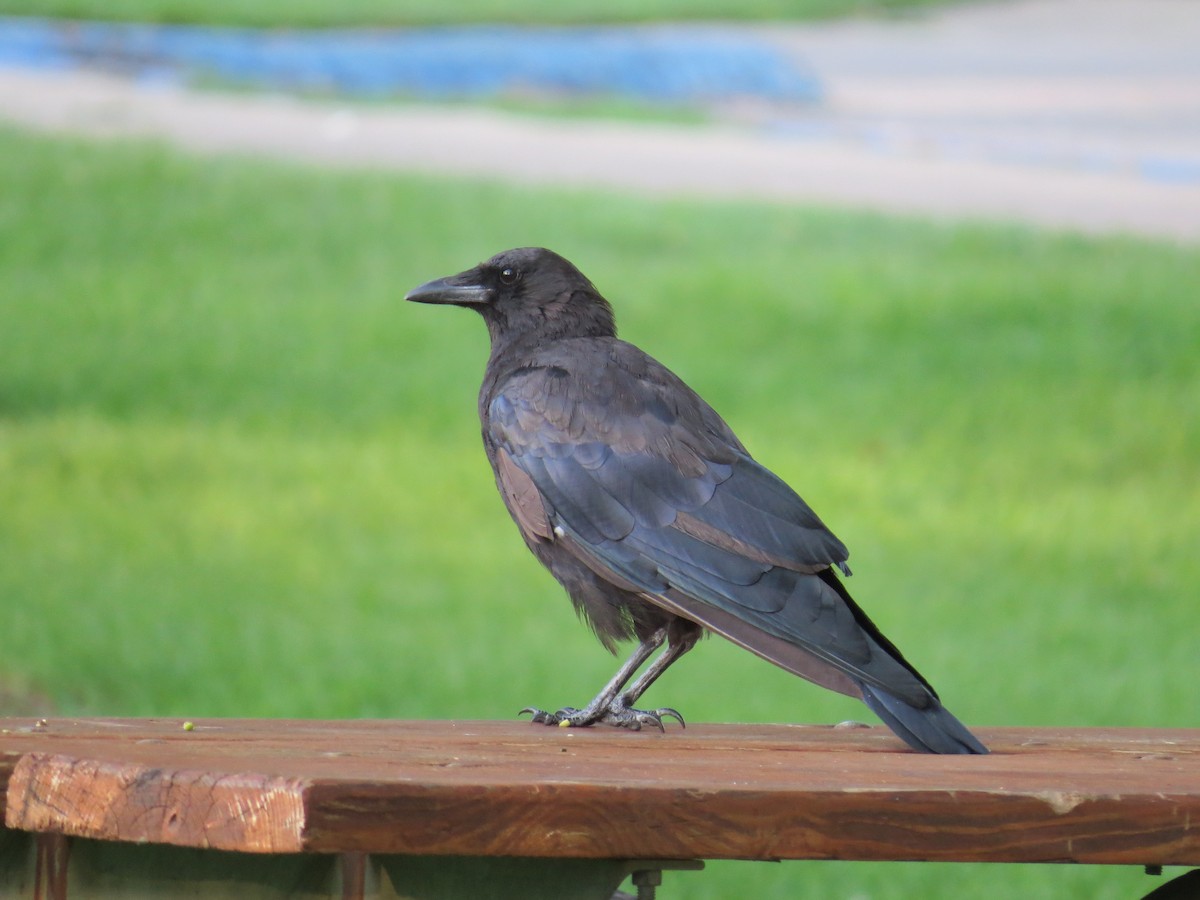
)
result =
(513, 789)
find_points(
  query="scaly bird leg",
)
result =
(674, 650)
(614, 707)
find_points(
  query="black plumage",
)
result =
(643, 503)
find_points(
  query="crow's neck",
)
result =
(572, 314)
(518, 339)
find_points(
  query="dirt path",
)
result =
(1076, 114)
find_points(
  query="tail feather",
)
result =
(930, 730)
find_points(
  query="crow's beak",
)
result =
(463, 289)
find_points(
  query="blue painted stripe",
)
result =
(658, 65)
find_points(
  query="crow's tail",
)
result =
(930, 730)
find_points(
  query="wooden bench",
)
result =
(433, 809)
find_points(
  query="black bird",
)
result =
(643, 503)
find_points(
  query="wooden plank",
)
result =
(513, 789)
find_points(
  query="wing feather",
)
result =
(646, 485)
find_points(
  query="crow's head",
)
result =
(530, 291)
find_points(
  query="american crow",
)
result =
(643, 503)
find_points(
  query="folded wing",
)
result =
(643, 482)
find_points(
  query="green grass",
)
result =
(315, 13)
(238, 476)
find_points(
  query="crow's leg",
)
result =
(679, 644)
(593, 712)
(614, 707)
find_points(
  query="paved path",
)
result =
(1077, 114)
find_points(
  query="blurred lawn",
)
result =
(238, 476)
(319, 13)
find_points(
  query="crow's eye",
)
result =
(509, 275)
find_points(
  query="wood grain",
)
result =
(513, 789)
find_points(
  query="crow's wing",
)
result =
(603, 449)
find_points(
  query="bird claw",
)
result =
(567, 717)
(543, 717)
(634, 719)
(616, 714)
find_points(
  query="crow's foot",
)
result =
(617, 714)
